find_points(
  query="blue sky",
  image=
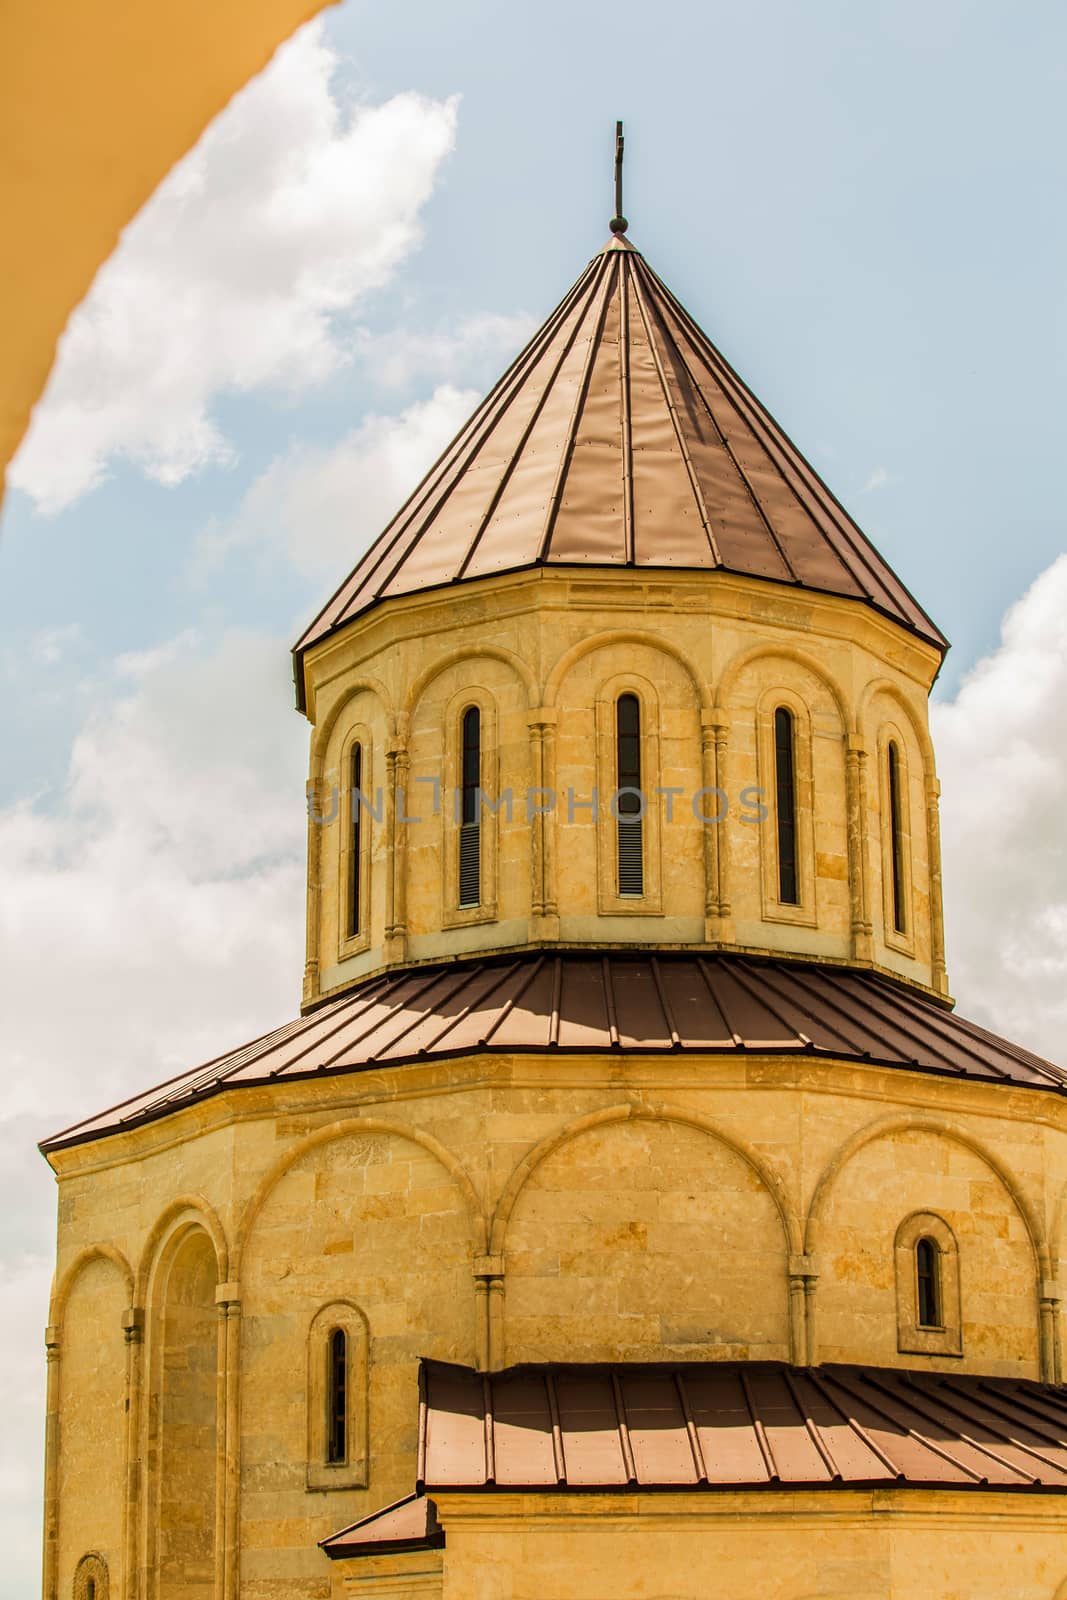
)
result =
(863, 206)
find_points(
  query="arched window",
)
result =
(355, 843)
(786, 805)
(928, 1283)
(896, 838)
(91, 1579)
(929, 1314)
(337, 1394)
(629, 804)
(470, 847)
(337, 1397)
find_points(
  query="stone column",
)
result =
(51, 1466)
(133, 1329)
(228, 1426)
(1049, 1310)
(396, 762)
(489, 1290)
(937, 910)
(311, 961)
(858, 846)
(714, 739)
(544, 904)
(803, 1274)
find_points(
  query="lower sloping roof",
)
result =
(408, 1524)
(733, 1425)
(592, 1002)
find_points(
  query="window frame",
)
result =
(802, 912)
(915, 1337)
(91, 1578)
(349, 943)
(322, 1471)
(896, 839)
(454, 915)
(610, 902)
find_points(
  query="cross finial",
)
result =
(618, 223)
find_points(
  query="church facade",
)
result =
(628, 1213)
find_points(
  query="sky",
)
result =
(862, 206)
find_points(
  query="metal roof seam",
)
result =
(672, 410)
(581, 395)
(848, 1416)
(512, 1001)
(759, 1431)
(699, 1464)
(665, 1007)
(734, 461)
(628, 536)
(629, 1464)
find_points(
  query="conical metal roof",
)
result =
(621, 437)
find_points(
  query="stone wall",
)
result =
(495, 1210)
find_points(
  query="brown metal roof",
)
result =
(714, 1004)
(621, 437)
(729, 1425)
(408, 1524)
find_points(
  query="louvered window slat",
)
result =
(470, 864)
(630, 835)
(631, 856)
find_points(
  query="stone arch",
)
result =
(321, 734)
(918, 727)
(782, 652)
(185, 1453)
(93, 1252)
(552, 1142)
(343, 1130)
(600, 641)
(491, 652)
(940, 1129)
(91, 1577)
(187, 1211)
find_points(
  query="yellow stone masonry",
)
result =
(544, 656)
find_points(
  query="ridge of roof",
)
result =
(620, 436)
(634, 1002)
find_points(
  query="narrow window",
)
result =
(896, 839)
(355, 843)
(628, 804)
(90, 1589)
(928, 1282)
(337, 1397)
(786, 808)
(470, 853)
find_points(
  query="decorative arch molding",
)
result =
(601, 641)
(771, 1180)
(354, 1126)
(94, 1252)
(478, 652)
(91, 1578)
(936, 1126)
(186, 1212)
(320, 737)
(780, 652)
(884, 686)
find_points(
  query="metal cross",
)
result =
(618, 222)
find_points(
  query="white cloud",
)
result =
(1002, 758)
(289, 209)
(877, 480)
(399, 357)
(321, 507)
(152, 920)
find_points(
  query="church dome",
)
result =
(627, 1204)
(621, 437)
